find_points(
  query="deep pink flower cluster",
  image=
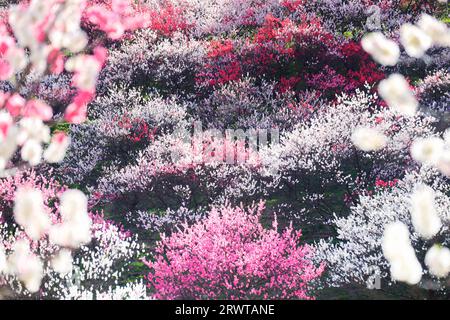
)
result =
(230, 255)
(298, 55)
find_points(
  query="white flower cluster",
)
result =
(423, 212)
(415, 39)
(368, 139)
(397, 94)
(437, 260)
(130, 291)
(74, 231)
(147, 57)
(66, 32)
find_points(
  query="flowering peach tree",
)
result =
(137, 136)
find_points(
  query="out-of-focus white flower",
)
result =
(62, 262)
(17, 59)
(30, 214)
(437, 260)
(25, 265)
(427, 150)
(398, 251)
(56, 151)
(382, 50)
(415, 41)
(71, 234)
(76, 42)
(368, 139)
(407, 270)
(435, 29)
(67, 32)
(396, 236)
(33, 128)
(423, 212)
(397, 94)
(20, 24)
(446, 136)
(86, 70)
(31, 152)
(76, 227)
(3, 163)
(38, 59)
(443, 164)
(73, 204)
(6, 121)
(8, 146)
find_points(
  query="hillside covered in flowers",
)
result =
(224, 149)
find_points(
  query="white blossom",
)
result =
(74, 231)
(435, 29)
(398, 251)
(73, 205)
(423, 212)
(62, 262)
(437, 260)
(71, 234)
(397, 94)
(33, 128)
(31, 152)
(56, 151)
(365, 249)
(368, 139)
(415, 41)
(29, 212)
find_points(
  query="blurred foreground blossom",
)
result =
(423, 212)
(415, 41)
(435, 29)
(398, 251)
